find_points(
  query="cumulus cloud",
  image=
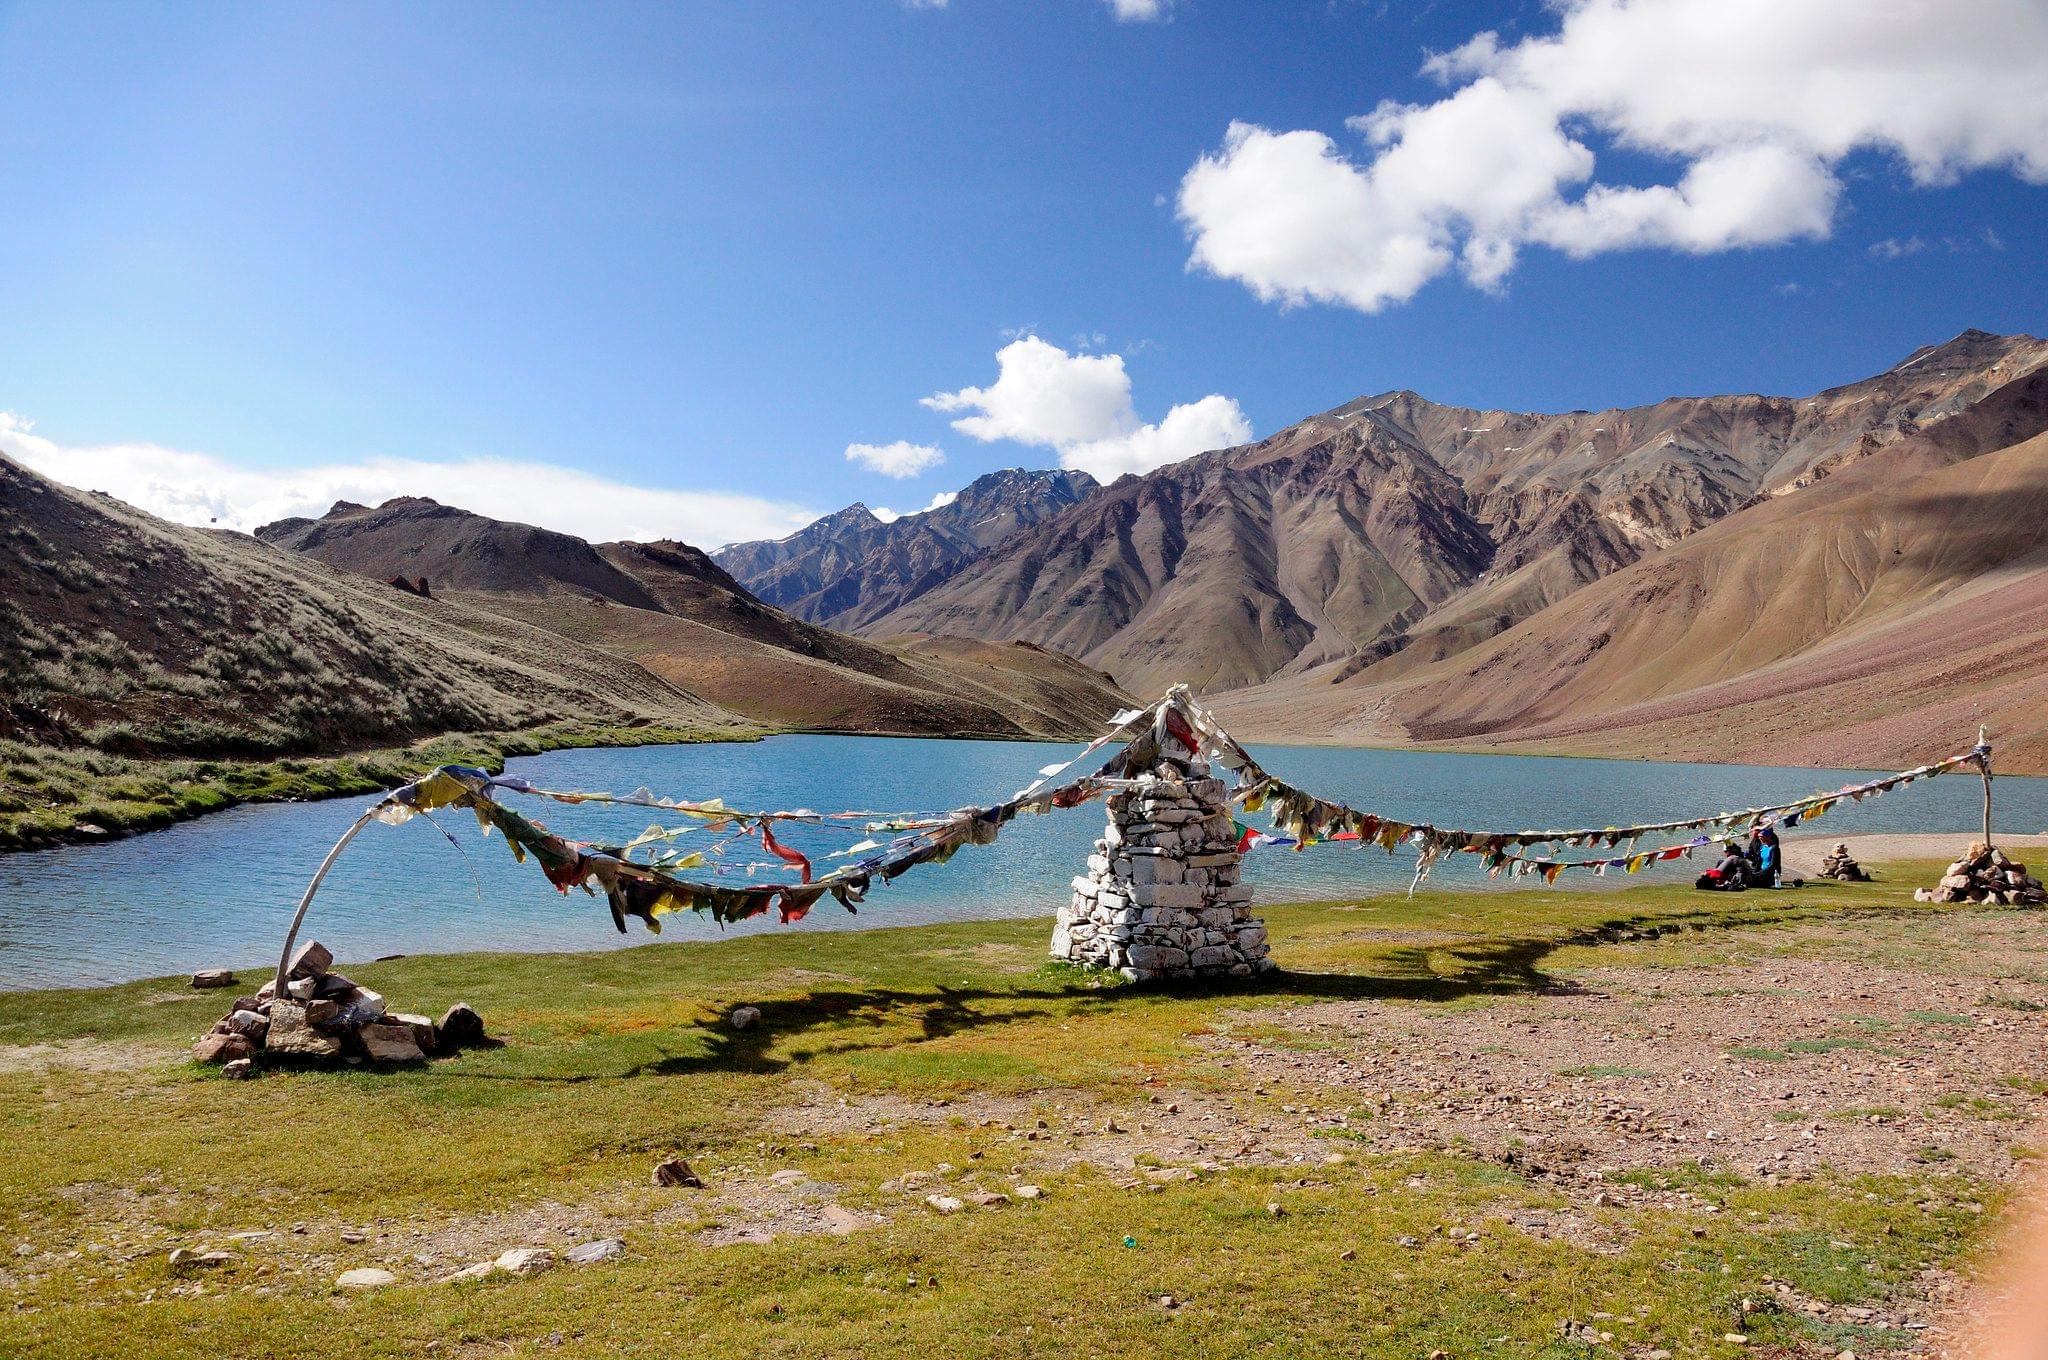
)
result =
(196, 488)
(1139, 11)
(1755, 103)
(900, 460)
(938, 502)
(1080, 405)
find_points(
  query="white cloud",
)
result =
(1893, 248)
(938, 502)
(1755, 101)
(1139, 11)
(1080, 405)
(899, 460)
(196, 488)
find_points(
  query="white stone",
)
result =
(526, 1260)
(365, 1277)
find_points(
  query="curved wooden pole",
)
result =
(1984, 766)
(291, 936)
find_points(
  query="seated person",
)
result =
(1732, 874)
(1766, 860)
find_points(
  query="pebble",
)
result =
(365, 1277)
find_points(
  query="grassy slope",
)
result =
(50, 795)
(614, 1059)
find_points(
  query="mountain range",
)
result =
(853, 567)
(671, 610)
(1396, 569)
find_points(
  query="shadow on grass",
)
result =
(851, 1020)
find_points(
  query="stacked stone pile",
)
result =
(1838, 864)
(1985, 874)
(1162, 897)
(323, 1015)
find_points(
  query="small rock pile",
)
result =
(1161, 897)
(1838, 864)
(323, 1015)
(1985, 874)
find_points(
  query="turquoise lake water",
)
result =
(220, 891)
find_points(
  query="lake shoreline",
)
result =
(331, 776)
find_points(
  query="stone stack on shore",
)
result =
(325, 1016)
(1162, 897)
(1986, 874)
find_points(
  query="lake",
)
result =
(220, 891)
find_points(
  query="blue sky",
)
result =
(704, 248)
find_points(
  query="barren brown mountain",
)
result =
(131, 634)
(1395, 532)
(672, 610)
(850, 568)
(1898, 600)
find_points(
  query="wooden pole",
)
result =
(1984, 766)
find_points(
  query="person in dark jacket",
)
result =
(1730, 875)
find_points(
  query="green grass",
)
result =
(123, 1150)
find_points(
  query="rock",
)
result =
(590, 1253)
(1274, 1210)
(185, 1259)
(744, 1017)
(214, 977)
(475, 1272)
(1028, 1192)
(676, 1171)
(390, 1043)
(989, 1199)
(526, 1260)
(460, 1027)
(252, 1025)
(290, 1034)
(312, 960)
(945, 1204)
(323, 1011)
(422, 1029)
(239, 1069)
(840, 1220)
(364, 1277)
(359, 1006)
(223, 1048)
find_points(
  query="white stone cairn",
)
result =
(1162, 897)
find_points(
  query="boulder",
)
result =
(422, 1029)
(312, 960)
(222, 1048)
(251, 1024)
(214, 977)
(290, 1034)
(744, 1017)
(590, 1253)
(390, 1043)
(459, 1028)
